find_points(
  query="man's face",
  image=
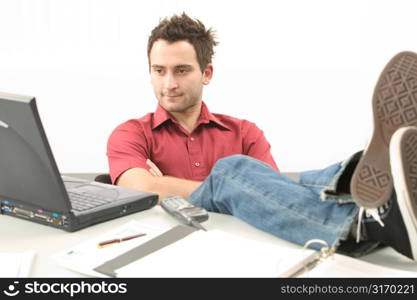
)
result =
(176, 76)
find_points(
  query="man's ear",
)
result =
(207, 74)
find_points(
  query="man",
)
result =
(182, 140)
(348, 201)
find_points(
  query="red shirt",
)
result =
(176, 152)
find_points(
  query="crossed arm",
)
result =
(154, 181)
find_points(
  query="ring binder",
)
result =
(312, 260)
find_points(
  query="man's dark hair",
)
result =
(180, 28)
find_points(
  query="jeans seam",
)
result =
(315, 185)
(346, 230)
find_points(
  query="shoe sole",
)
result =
(394, 105)
(403, 152)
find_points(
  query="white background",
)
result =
(302, 70)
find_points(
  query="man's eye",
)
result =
(182, 71)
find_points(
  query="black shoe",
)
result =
(394, 106)
(399, 215)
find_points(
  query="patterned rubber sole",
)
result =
(396, 95)
(394, 106)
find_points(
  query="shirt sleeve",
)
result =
(256, 145)
(126, 149)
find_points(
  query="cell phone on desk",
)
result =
(184, 211)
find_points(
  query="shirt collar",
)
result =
(161, 116)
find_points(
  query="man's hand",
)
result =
(154, 170)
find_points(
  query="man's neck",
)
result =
(188, 119)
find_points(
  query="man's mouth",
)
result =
(172, 96)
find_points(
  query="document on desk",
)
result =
(212, 253)
(219, 254)
(16, 264)
(84, 257)
(345, 266)
(338, 265)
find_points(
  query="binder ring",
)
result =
(325, 251)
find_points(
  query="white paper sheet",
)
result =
(338, 265)
(84, 257)
(16, 264)
(214, 253)
(218, 254)
(344, 266)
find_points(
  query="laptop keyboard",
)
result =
(83, 201)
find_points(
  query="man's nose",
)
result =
(170, 82)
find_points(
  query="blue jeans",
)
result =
(296, 211)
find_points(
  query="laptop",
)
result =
(31, 186)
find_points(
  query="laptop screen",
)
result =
(29, 174)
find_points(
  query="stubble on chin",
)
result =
(172, 106)
(178, 107)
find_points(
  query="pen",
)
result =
(114, 241)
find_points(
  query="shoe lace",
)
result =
(370, 212)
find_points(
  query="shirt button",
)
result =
(192, 139)
(197, 164)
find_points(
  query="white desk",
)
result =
(20, 235)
